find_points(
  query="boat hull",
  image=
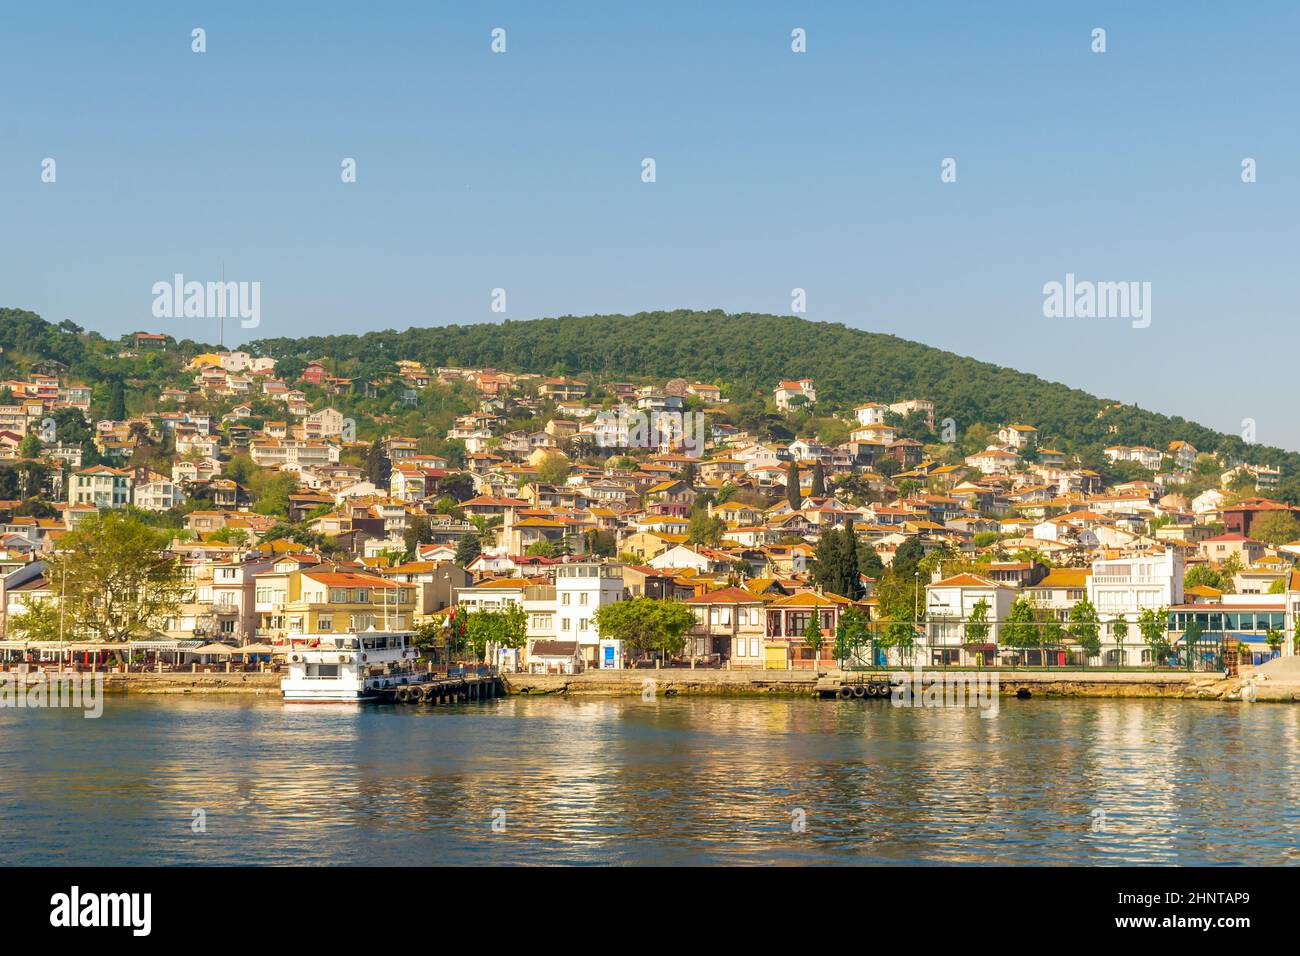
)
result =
(324, 695)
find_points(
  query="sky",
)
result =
(774, 170)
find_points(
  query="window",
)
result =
(564, 624)
(564, 599)
(338, 595)
(325, 622)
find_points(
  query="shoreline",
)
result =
(1054, 684)
(758, 684)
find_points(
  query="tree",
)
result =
(792, 493)
(887, 466)
(834, 568)
(30, 446)
(1085, 627)
(1152, 624)
(852, 633)
(1274, 639)
(907, 557)
(117, 401)
(812, 636)
(485, 631)
(39, 621)
(1191, 638)
(379, 468)
(1020, 631)
(553, 469)
(467, 549)
(818, 487)
(1203, 574)
(869, 563)
(1275, 528)
(116, 578)
(1119, 630)
(418, 531)
(977, 625)
(705, 529)
(646, 625)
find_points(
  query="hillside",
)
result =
(745, 353)
(750, 352)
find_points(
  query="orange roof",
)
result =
(344, 579)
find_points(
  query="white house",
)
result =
(949, 603)
(798, 392)
(581, 589)
(1124, 587)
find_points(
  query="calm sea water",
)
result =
(677, 781)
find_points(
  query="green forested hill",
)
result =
(750, 353)
(745, 353)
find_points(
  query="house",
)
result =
(1238, 517)
(793, 394)
(555, 657)
(333, 599)
(150, 341)
(1222, 547)
(1124, 587)
(1184, 455)
(994, 461)
(158, 494)
(326, 423)
(924, 406)
(787, 622)
(562, 389)
(1149, 458)
(314, 373)
(950, 604)
(581, 588)
(870, 413)
(730, 625)
(101, 486)
(1017, 437)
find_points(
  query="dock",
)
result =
(439, 691)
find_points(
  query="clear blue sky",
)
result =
(775, 170)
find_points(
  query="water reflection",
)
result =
(525, 781)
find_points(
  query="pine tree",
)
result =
(850, 585)
(467, 549)
(818, 489)
(792, 485)
(117, 402)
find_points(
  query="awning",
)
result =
(212, 649)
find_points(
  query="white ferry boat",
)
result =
(345, 668)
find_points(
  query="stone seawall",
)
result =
(180, 683)
(756, 683)
(668, 681)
